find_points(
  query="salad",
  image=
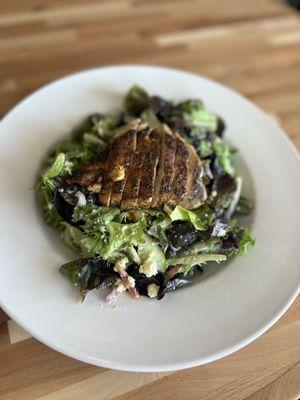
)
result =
(146, 196)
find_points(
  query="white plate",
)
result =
(229, 308)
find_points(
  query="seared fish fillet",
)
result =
(143, 168)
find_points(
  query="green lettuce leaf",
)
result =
(46, 190)
(150, 118)
(189, 262)
(77, 272)
(201, 218)
(57, 168)
(244, 206)
(196, 115)
(106, 125)
(122, 236)
(89, 273)
(45, 200)
(107, 230)
(75, 239)
(205, 148)
(212, 245)
(136, 100)
(245, 241)
(224, 154)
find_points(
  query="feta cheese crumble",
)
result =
(149, 267)
(152, 290)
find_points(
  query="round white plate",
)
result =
(230, 306)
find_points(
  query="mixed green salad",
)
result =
(144, 251)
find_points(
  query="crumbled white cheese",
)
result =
(131, 281)
(152, 290)
(149, 267)
(81, 199)
(121, 264)
(120, 286)
(222, 232)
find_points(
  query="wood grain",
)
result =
(252, 46)
(286, 387)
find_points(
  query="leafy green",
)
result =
(122, 236)
(46, 190)
(95, 216)
(56, 168)
(194, 114)
(148, 249)
(81, 147)
(188, 262)
(74, 238)
(205, 148)
(45, 199)
(78, 152)
(211, 245)
(89, 273)
(105, 126)
(150, 118)
(202, 119)
(224, 154)
(94, 221)
(229, 200)
(53, 171)
(132, 254)
(100, 125)
(93, 140)
(244, 206)
(191, 106)
(245, 241)
(201, 218)
(107, 230)
(78, 272)
(136, 100)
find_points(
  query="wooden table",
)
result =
(252, 46)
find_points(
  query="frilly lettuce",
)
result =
(195, 114)
(136, 100)
(122, 236)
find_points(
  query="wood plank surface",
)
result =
(252, 46)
